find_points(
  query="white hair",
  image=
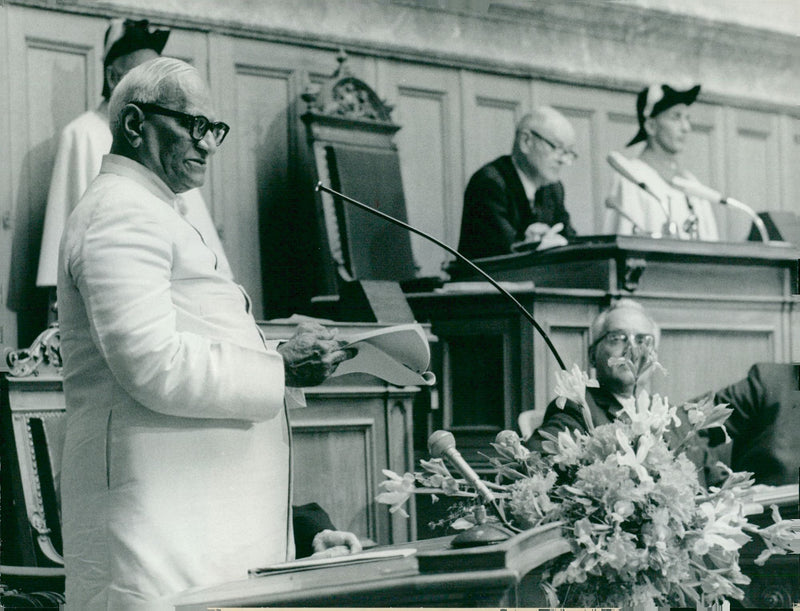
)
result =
(154, 81)
(598, 327)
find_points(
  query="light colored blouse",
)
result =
(648, 214)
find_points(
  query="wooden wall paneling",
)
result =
(601, 124)
(57, 76)
(334, 461)
(8, 320)
(256, 87)
(491, 108)
(428, 108)
(481, 381)
(400, 456)
(566, 322)
(349, 432)
(705, 346)
(753, 165)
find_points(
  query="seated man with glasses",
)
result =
(177, 456)
(519, 197)
(624, 323)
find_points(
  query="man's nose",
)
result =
(208, 142)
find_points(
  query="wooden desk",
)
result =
(721, 308)
(494, 576)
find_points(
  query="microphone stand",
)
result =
(454, 252)
(637, 229)
(762, 229)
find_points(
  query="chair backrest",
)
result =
(347, 144)
(33, 427)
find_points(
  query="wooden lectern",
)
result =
(434, 575)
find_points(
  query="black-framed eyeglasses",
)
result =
(198, 125)
(619, 338)
(568, 155)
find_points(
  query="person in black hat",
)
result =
(662, 210)
(87, 138)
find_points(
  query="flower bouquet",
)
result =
(642, 528)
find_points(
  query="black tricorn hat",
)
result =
(654, 100)
(125, 36)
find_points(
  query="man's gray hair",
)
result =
(154, 81)
(598, 327)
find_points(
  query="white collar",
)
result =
(124, 166)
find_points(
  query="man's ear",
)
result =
(131, 125)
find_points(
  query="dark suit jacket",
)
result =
(307, 521)
(602, 405)
(765, 423)
(497, 212)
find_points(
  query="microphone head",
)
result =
(439, 442)
(696, 189)
(615, 157)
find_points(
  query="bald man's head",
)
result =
(543, 144)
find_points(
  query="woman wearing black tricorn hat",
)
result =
(661, 210)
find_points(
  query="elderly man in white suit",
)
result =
(176, 467)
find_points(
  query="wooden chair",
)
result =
(346, 142)
(32, 422)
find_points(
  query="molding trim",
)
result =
(580, 42)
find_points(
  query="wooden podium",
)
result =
(434, 575)
(721, 308)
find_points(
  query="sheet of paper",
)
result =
(309, 563)
(399, 354)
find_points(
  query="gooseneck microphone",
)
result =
(619, 162)
(696, 189)
(442, 444)
(637, 228)
(454, 252)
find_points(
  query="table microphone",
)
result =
(696, 189)
(618, 162)
(636, 227)
(441, 444)
(454, 252)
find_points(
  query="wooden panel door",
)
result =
(427, 107)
